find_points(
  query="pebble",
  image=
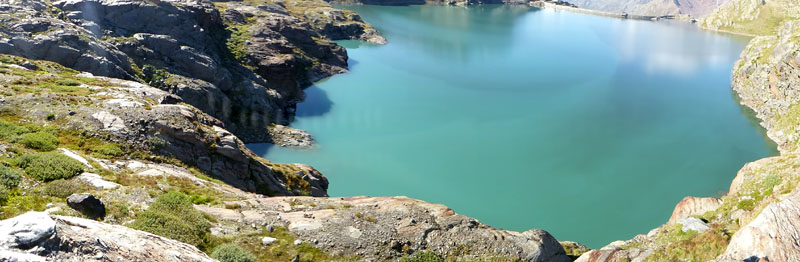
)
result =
(298, 242)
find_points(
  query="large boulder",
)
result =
(694, 206)
(87, 204)
(36, 236)
(771, 236)
(26, 231)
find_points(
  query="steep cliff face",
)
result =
(246, 67)
(755, 17)
(694, 8)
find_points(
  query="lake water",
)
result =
(591, 128)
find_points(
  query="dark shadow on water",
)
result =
(351, 63)
(260, 149)
(772, 147)
(316, 103)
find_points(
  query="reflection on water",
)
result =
(590, 127)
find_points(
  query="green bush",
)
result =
(173, 216)
(49, 166)
(232, 253)
(9, 177)
(9, 130)
(3, 196)
(51, 117)
(63, 188)
(422, 256)
(67, 82)
(108, 150)
(40, 140)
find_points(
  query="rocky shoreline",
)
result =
(168, 112)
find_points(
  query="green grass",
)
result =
(107, 151)
(696, 247)
(422, 256)
(237, 41)
(63, 188)
(173, 216)
(49, 166)
(43, 141)
(232, 253)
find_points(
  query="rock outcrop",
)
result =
(151, 120)
(385, 228)
(694, 206)
(771, 236)
(87, 204)
(37, 236)
(767, 80)
(753, 17)
(246, 66)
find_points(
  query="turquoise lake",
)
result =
(591, 128)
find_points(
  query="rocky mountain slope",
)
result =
(694, 8)
(245, 64)
(754, 17)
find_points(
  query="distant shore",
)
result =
(554, 5)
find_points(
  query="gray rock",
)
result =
(96, 181)
(693, 223)
(26, 230)
(59, 237)
(268, 240)
(87, 204)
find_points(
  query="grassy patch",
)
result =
(283, 249)
(107, 151)
(698, 247)
(63, 188)
(422, 256)
(232, 253)
(173, 216)
(43, 141)
(49, 166)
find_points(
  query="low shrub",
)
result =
(173, 216)
(422, 256)
(63, 188)
(9, 177)
(39, 140)
(3, 196)
(67, 82)
(9, 130)
(107, 150)
(232, 253)
(49, 166)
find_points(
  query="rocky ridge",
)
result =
(245, 66)
(148, 119)
(752, 17)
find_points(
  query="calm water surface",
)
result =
(592, 128)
